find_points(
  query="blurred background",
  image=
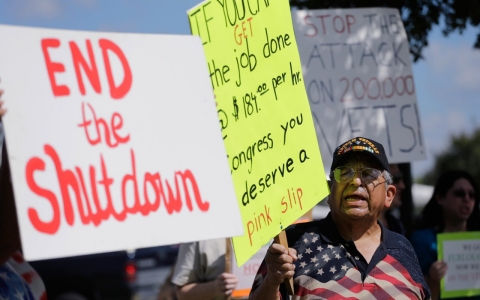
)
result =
(446, 68)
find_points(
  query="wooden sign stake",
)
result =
(281, 239)
(228, 260)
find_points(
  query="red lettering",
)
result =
(154, 181)
(350, 21)
(54, 67)
(116, 123)
(36, 164)
(322, 18)
(299, 196)
(250, 269)
(89, 217)
(74, 181)
(133, 178)
(66, 179)
(106, 182)
(174, 202)
(116, 92)
(250, 230)
(285, 204)
(307, 21)
(91, 72)
(86, 124)
(342, 28)
(187, 175)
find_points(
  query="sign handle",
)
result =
(281, 239)
(228, 260)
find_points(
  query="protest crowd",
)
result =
(370, 245)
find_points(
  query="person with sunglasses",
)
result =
(349, 254)
(453, 207)
(389, 220)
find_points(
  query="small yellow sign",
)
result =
(264, 114)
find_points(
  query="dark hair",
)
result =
(432, 214)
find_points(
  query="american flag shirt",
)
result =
(329, 267)
(19, 281)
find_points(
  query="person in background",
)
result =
(349, 254)
(167, 290)
(200, 271)
(18, 280)
(388, 219)
(453, 207)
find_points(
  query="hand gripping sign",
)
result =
(113, 142)
(267, 127)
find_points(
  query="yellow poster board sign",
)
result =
(264, 114)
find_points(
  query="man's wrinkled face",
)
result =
(356, 199)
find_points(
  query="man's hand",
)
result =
(437, 270)
(225, 283)
(279, 262)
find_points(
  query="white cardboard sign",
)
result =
(359, 81)
(113, 142)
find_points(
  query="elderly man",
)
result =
(349, 254)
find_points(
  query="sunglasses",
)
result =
(463, 194)
(346, 174)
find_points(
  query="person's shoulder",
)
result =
(396, 240)
(295, 231)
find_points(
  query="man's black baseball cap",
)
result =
(360, 145)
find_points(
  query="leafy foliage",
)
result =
(419, 16)
(463, 153)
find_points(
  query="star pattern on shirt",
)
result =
(4, 276)
(19, 295)
(320, 259)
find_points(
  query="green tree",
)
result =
(463, 153)
(419, 16)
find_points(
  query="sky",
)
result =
(447, 80)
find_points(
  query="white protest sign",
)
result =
(247, 272)
(461, 252)
(113, 142)
(359, 80)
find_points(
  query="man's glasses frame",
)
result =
(345, 174)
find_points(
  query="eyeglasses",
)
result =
(397, 177)
(462, 194)
(346, 174)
